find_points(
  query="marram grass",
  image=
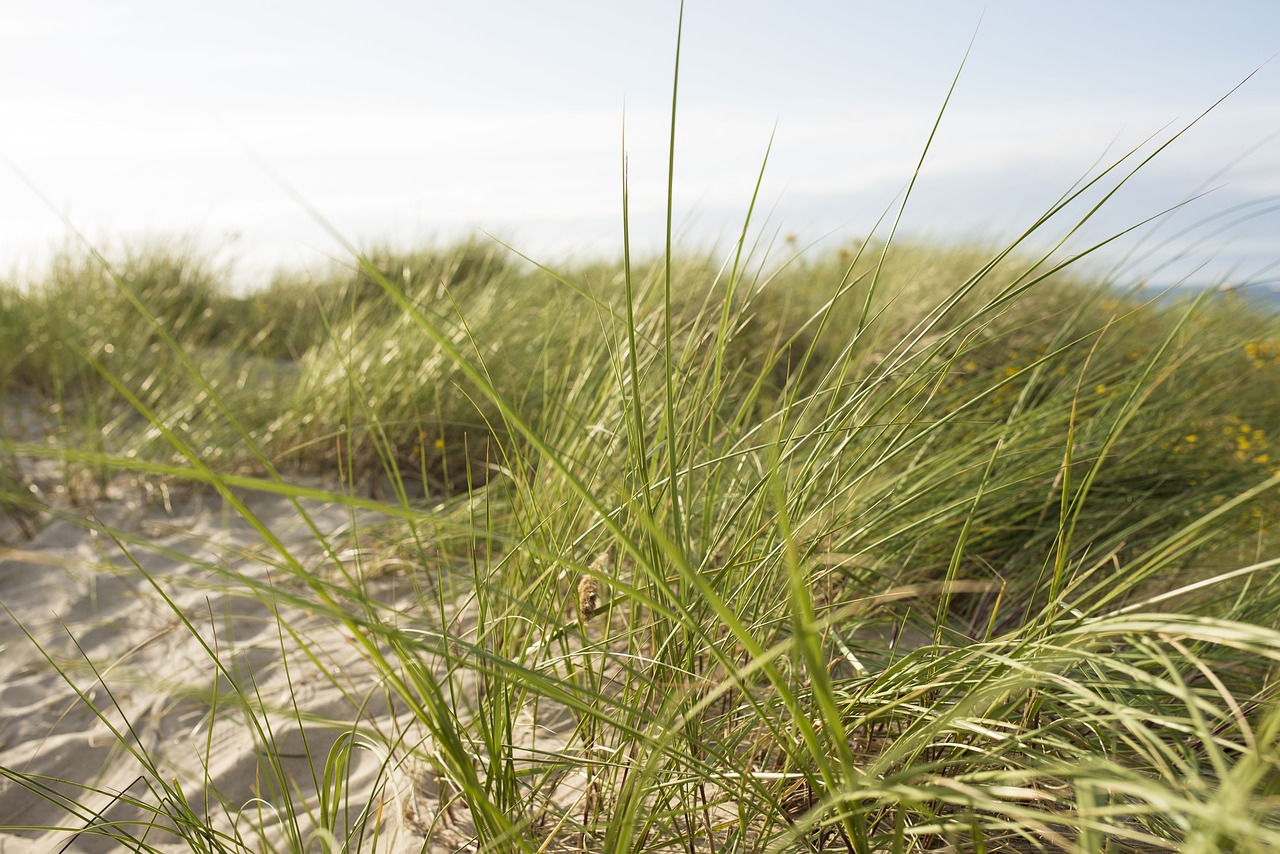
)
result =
(894, 548)
(977, 589)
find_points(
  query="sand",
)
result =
(143, 654)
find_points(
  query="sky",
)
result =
(241, 125)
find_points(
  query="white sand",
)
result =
(89, 607)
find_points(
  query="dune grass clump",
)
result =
(76, 315)
(393, 403)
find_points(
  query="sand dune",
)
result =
(96, 608)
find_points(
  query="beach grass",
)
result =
(890, 547)
(995, 572)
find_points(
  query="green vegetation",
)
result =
(996, 570)
(894, 548)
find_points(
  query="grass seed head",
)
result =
(590, 590)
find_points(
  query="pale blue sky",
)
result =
(402, 121)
